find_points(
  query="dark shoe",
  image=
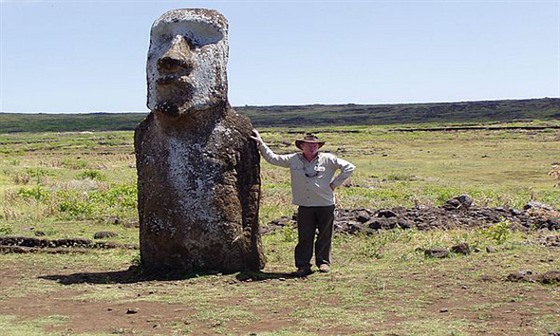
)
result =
(302, 272)
(324, 268)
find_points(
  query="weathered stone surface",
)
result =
(188, 47)
(436, 253)
(104, 234)
(15, 244)
(198, 168)
(462, 248)
(459, 202)
(550, 277)
(537, 205)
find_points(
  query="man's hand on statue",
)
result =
(257, 137)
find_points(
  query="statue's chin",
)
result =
(169, 109)
(175, 109)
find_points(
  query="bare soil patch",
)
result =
(495, 303)
(445, 297)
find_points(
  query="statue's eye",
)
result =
(198, 34)
(193, 42)
(164, 38)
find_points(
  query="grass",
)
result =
(495, 167)
(31, 328)
(400, 291)
(75, 184)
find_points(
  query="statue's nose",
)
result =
(177, 59)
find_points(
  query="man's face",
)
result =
(310, 149)
(186, 68)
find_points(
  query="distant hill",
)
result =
(353, 114)
(311, 115)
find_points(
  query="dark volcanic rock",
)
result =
(198, 168)
(459, 202)
(462, 248)
(198, 194)
(550, 277)
(14, 244)
(105, 234)
(436, 253)
(426, 218)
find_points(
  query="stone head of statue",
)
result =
(187, 58)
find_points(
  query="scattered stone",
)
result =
(132, 224)
(386, 213)
(550, 277)
(436, 253)
(368, 221)
(553, 223)
(459, 202)
(490, 249)
(132, 311)
(281, 222)
(404, 224)
(385, 223)
(24, 249)
(487, 278)
(363, 217)
(551, 241)
(105, 234)
(516, 276)
(537, 205)
(462, 248)
(109, 245)
(516, 212)
(113, 220)
(38, 242)
(14, 244)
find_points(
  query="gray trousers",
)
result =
(311, 220)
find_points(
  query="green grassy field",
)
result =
(70, 185)
(54, 177)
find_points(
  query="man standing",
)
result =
(313, 184)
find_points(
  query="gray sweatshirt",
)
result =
(311, 179)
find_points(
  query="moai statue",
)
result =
(198, 168)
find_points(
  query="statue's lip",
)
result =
(172, 80)
(174, 88)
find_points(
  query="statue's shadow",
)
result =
(136, 274)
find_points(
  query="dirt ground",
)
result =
(91, 316)
(148, 318)
(451, 296)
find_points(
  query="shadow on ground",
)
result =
(135, 274)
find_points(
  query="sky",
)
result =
(90, 56)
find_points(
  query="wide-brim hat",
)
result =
(309, 138)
